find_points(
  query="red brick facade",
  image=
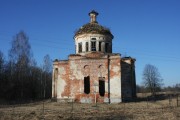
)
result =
(71, 74)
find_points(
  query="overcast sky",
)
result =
(148, 30)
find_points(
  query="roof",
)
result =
(128, 58)
(93, 28)
(94, 12)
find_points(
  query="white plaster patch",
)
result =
(116, 69)
(128, 61)
(116, 100)
(106, 86)
(115, 86)
(76, 71)
(62, 70)
(106, 100)
(60, 86)
(86, 100)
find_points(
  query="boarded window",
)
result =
(93, 46)
(87, 47)
(80, 47)
(86, 85)
(101, 86)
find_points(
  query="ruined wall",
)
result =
(115, 79)
(128, 78)
(54, 79)
(117, 75)
(60, 82)
(101, 71)
(80, 68)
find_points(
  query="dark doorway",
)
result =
(87, 85)
(101, 86)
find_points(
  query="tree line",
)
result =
(20, 76)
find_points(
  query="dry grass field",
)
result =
(159, 110)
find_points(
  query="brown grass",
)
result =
(159, 110)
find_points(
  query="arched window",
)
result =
(56, 73)
(87, 47)
(100, 46)
(107, 47)
(79, 47)
(87, 85)
(86, 79)
(101, 86)
(93, 45)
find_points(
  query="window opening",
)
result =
(75, 48)
(101, 86)
(100, 46)
(87, 47)
(93, 38)
(80, 47)
(106, 47)
(56, 73)
(93, 46)
(87, 85)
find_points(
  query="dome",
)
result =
(93, 38)
(93, 27)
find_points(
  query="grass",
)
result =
(159, 110)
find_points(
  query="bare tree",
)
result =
(47, 66)
(1, 60)
(20, 77)
(20, 50)
(20, 57)
(47, 73)
(1, 74)
(151, 78)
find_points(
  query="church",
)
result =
(94, 74)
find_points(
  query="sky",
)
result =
(148, 30)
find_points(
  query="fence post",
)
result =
(177, 100)
(170, 100)
(147, 101)
(72, 107)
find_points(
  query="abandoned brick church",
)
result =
(94, 73)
